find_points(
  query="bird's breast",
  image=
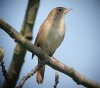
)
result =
(53, 38)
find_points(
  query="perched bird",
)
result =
(50, 35)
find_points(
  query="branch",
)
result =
(33, 71)
(51, 61)
(5, 74)
(1, 54)
(56, 79)
(20, 51)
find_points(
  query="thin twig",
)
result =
(28, 75)
(5, 74)
(56, 79)
(1, 54)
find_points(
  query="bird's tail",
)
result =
(40, 75)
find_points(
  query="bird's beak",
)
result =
(67, 10)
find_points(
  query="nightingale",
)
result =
(50, 36)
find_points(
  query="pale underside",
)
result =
(50, 35)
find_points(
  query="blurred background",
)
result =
(80, 48)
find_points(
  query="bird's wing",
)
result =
(41, 32)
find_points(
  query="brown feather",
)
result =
(50, 36)
(40, 75)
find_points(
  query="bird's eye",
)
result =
(59, 9)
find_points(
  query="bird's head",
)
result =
(58, 12)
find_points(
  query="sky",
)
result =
(80, 48)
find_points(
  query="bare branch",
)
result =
(33, 71)
(56, 79)
(5, 74)
(20, 51)
(1, 54)
(51, 61)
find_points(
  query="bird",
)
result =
(50, 36)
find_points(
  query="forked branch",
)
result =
(33, 71)
(51, 61)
